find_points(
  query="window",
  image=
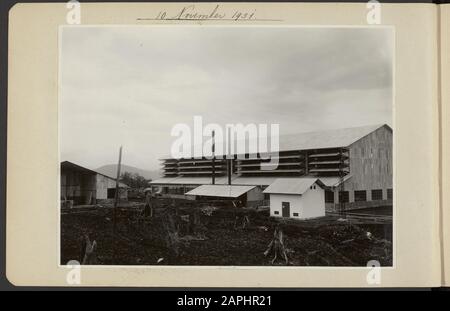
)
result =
(343, 197)
(389, 194)
(360, 196)
(276, 212)
(111, 193)
(295, 214)
(329, 196)
(377, 195)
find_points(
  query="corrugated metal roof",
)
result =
(226, 191)
(291, 186)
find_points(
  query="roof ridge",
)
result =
(378, 125)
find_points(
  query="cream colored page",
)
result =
(33, 161)
(445, 139)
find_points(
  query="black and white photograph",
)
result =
(190, 145)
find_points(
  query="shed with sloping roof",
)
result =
(83, 186)
(299, 198)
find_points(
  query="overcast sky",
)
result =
(130, 85)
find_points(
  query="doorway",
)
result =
(111, 193)
(285, 209)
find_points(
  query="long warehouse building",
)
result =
(355, 165)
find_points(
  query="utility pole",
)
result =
(229, 168)
(341, 183)
(116, 199)
(213, 158)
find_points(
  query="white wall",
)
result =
(103, 183)
(277, 199)
(313, 203)
(309, 205)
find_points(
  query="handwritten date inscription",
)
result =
(190, 13)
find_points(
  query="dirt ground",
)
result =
(187, 233)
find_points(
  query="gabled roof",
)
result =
(292, 186)
(67, 165)
(224, 191)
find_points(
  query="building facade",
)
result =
(83, 186)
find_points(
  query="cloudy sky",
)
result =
(130, 85)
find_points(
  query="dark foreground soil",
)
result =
(218, 238)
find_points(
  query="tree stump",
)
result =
(90, 251)
(277, 245)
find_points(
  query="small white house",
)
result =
(299, 198)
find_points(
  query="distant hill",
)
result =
(111, 170)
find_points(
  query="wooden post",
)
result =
(116, 199)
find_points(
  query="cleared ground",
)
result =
(187, 233)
